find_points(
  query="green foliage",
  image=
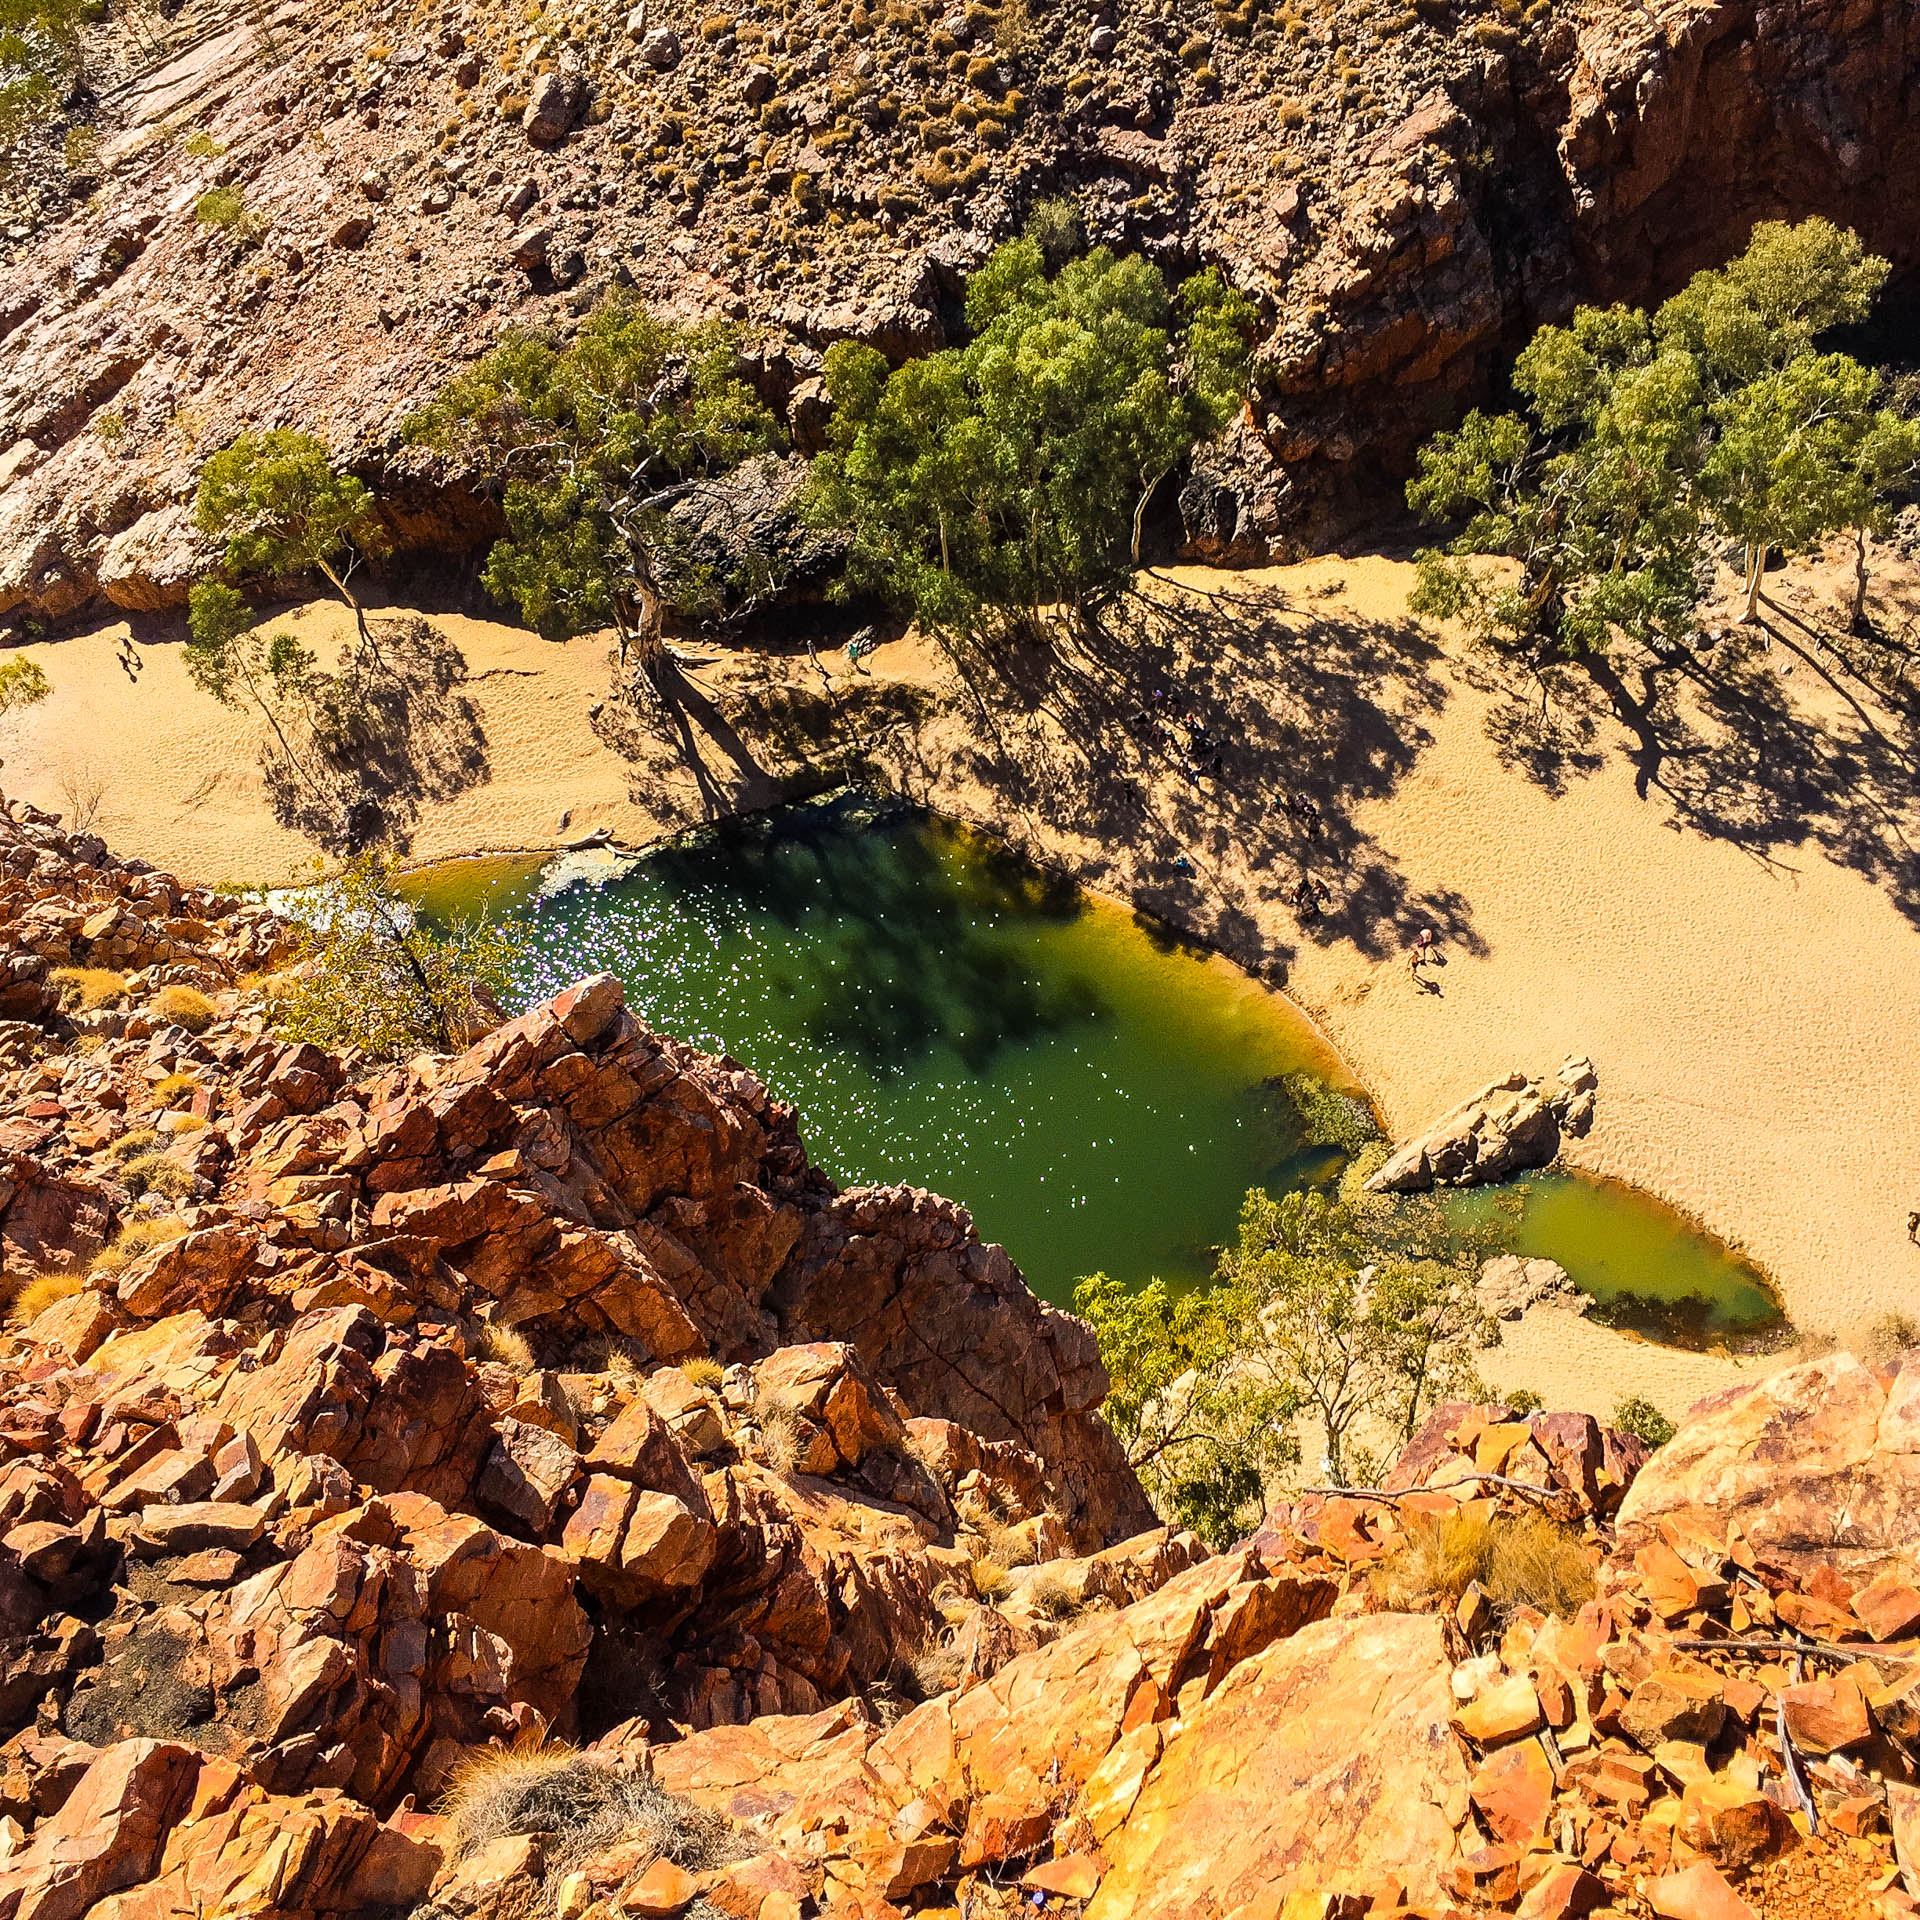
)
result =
(1641, 434)
(1310, 1313)
(80, 150)
(1638, 1416)
(282, 508)
(595, 442)
(370, 975)
(40, 58)
(202, 146)
(1055, 226)
(1014, 472)
(238, 664)
(1328, 1117)
(1366, 1335)
(222, 207)
(1203, 1432)
(1766, 308)
(1805, 451)
(22, 683)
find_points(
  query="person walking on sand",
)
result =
(1913, 1228)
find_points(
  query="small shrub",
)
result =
(134, 1239)
(80, 150)
(156, 1173)
(184, 1007)
(221, 207)
(1056, 227)
(40, 1293)
(933, 1668)
(704, 1371)
(176, 1088)
(1526, 1560)
(1638, 1416)
(1521, 1401)
(88, 989)
(1889, 1336)
(1049, 1595)
(203, 146)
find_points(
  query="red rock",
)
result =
(1889, 1607)
(1074, 1876)
(108, 1835)
(1698, 1893)
(1827, 1716)
(1675, 1703)
(663, 1889)
(1327, 1748)
(1507, 1709)
(1564, 1894)
(1513, 1789)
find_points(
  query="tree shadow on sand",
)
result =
(394, 732)
(1215, 746)
(1793, 733)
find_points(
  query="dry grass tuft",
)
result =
(1525, 1560)
(991, 1581)
(932, 1668)
(44, 1291)
(704, 1371)
(87, 989)
(134, 1239)
(779, 1435)
(177, 1089)
(1052, 1597)
(506, 1346)
(184, 1007)
(584, 1806)
(135, 1140)
(155, 1172)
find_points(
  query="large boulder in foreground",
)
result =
(1329, 1754)
(1818, 1464)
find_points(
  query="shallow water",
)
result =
(1099, 1093)
(1647, 1265)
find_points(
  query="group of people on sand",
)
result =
(1167, 723)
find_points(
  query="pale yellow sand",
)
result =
(1753, 1023)
(180, 779)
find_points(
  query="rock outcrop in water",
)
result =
(1507, 1128)
(547, 1393)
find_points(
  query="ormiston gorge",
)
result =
(959, 958)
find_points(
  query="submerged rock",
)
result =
(1510, 1283)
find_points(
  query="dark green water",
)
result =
(1099, 1094)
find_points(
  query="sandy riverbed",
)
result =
(1747, 986)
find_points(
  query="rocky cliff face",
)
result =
(1407, 191)
(544, 1403)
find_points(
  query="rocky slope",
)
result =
(1407, 189)
(545, 1403)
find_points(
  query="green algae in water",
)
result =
(1099, 1093)
(1648, 1267)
